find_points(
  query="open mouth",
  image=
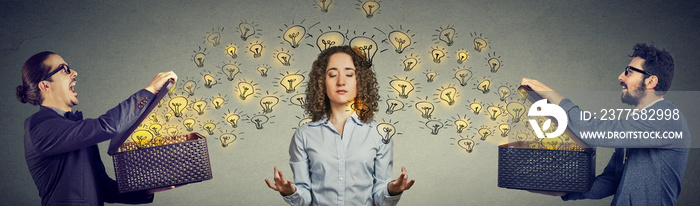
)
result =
(624, 86)
(72, 87)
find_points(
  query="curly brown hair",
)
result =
(318, 104)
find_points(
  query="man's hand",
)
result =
(400, 184)
(543, 90)
(160, 80)
(151, 191)
(285, 187)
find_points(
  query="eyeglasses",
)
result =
(629, 70)
(62, 67)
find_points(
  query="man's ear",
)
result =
(651, 82)
(43, 86)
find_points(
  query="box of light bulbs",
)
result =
(546, 164)
(145, 159)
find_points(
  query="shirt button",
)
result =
(341, 199)
(341, 178)
(341, 160)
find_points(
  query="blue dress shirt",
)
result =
(328, 170)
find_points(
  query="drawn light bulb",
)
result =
(475, 107)
(177, 104)
(209, 80)
(199, 58)
(323, 4)
(484, 133)
(218, 102)
(246, 30)
(365, 44)
(256, 49)
(245, 89)
(232, 51)
(155, 128)
(304, 121)
(172, 131)
(431, 76)
(409, 63)
(522, 92)
(494, 111)
(552, 143)
(480, 44)
(153, 117)
(461, 125)
(393, 105)
(232, 119)
(214, 39)
(268, 103)
(503, 92)
(403, 87)
(294, 34)
(504, 128)
(448, 95)
(262, 70)
(226, 139)
(516, 110)
(386, 131)
(463, 75)
(399, 40)
(462, 56)
(329, 39)
(494, 64)
(298, 99)
(484, 85)
(447, 35)
(434, 126)
(189, 87)
(466, 144)
(283, 57)
(521, 136)
(168, 116)
(141, 137)
(437, 54)
(209, 126)
(425, 108)
(171, 92)
(199, 106)
(259, 120)
(291, 81)
(189, 124)
(230, 70)
(370, 7)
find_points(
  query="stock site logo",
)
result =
(541, 108)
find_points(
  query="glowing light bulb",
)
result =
(466, 144)
(141, 137)
(461, 125)
(504, 128)
(209, 126)
(516, 110)
(232, 51)
(386, 131)
(245, 89)
(168, 116)
(370, 7)
(153, 117)
(189, 87)
(437, 54)
(403, 87)
(291, 81)
(425, 108)
(171, 91)
(448, 95)
(522, 92)
(503, 92)
(232, 119)
(329, 39)
(304, 121)
(177, 104)
(323, 4)
(294, 34)
(494, 111)
(199, 58)
(189, 124)
(172, 131)
(521, 136)
(267, 103)
(434, 126)
(484, 85)
(409, 63)
(199, 106)
(393, 105)
(218, 102)
(226, 139)
(462, 56)
(480, 44)
(155, 128)
(552, 143)
(494, 64)
(214, 38)
(475, 107)
(463, 75)
(484, 133)
(283, 57)
(246, 29)
(262, 70)
(256, 49)
(431, 76)
(298, 99)
(209, 80)
(367, 45)
(399, 40)
(259, 120)
(447, 35)
(230, 70)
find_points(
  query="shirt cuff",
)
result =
(293, 196)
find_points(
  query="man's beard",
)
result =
(633, 100)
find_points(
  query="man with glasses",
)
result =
(642, 171)
(61, 147)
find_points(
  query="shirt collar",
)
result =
(59, 111)
(324, 120)
(654, 102)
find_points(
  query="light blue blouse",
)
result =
(328, 170)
